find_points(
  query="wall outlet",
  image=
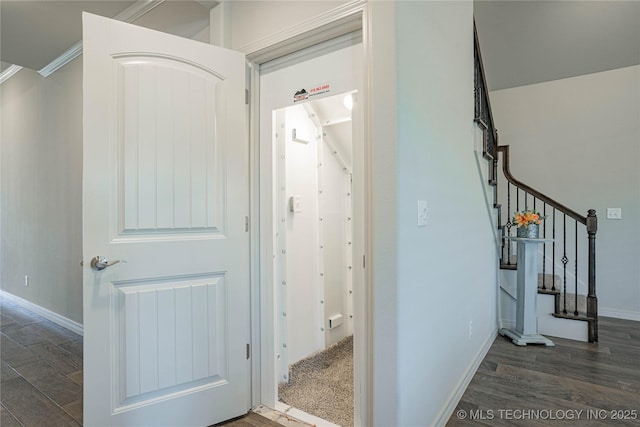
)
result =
(26, 280)
(614, 213)
(470, 330)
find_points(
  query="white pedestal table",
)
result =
(526, 330)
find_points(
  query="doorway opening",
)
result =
(311, 155)
(313, 266)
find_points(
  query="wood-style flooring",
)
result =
(41, 381)
(250, 420)
(573, 383)
(41, 367)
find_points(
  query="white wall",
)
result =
(335, 240)
(252, 20)
(42, 188)
(304, 310)
(447, 270)
(585, 136)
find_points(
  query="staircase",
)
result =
(567, 276)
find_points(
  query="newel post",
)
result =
(592, 301)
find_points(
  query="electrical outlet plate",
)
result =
(614, 213)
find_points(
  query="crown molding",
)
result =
(9, 72)
(69, 55)
(137, 9)
(130, 14)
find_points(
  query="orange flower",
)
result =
(527, 217)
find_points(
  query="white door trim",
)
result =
(333, 23)
(342, 20)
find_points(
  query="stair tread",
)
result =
(581, 316)
(549, 280)
(570, 304)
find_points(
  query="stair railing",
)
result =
(556, 215)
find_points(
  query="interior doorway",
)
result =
(314, 264)
(308, 121)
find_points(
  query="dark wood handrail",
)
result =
(476, 41)
(559, 206)
(483, 115)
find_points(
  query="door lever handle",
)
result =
(100, 263)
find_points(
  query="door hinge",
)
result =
(246, 223)
(363, 262)
(248, 351)
(246, 96)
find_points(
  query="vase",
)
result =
(530, 232)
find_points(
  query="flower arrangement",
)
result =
(527, 217)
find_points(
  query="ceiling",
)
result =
(526, 42)
(34, 33)
(523, 42)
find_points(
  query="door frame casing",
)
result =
(342, 20)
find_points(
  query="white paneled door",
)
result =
(165, 191)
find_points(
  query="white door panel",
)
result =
(167, 183)
(165, 188)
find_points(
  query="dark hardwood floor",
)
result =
(573, 383)
(41, 367)
(585, 384)
(250, 420)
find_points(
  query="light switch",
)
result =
(422, 213)
(295, 204)
(614, 213)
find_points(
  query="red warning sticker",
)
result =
(304, 94)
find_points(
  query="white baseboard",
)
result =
(47, 314)
(507, 324)
(619, 314)
(455, 397)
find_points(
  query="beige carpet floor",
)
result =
(322, 384)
